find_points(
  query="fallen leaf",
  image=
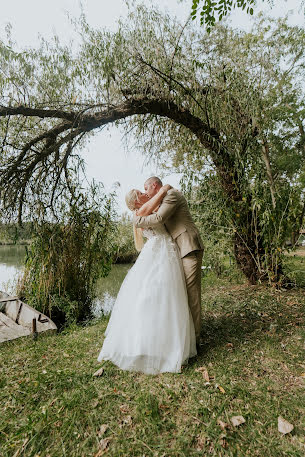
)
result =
(104, 443)
(103, 428)
(283, 425)
(221, 389)
(66, 355)
(205, 375)
(237, 420)
(223, 425)
(302, 375)
(204, 372)
(99, 372)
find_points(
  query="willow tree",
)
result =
(271, 167)
(166, 84)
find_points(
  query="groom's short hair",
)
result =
(154, 179)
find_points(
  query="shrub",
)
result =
(66, 258)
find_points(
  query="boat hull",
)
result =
(17, 319)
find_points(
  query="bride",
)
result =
(151, 328)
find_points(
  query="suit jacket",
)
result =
(175, 215)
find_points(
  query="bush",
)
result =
(66, 258)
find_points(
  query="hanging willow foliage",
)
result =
(66, 258)
(229, 100)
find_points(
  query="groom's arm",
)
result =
(167, 208)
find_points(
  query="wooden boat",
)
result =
(18, 319)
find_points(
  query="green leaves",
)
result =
(211, 11)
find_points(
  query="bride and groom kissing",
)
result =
(155, 323)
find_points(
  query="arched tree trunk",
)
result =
(16, 178)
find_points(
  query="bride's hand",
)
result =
(166, 188)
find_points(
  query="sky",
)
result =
(106, 158)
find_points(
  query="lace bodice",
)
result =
(158, 230)
(148, 233)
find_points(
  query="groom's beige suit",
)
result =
(175, 215)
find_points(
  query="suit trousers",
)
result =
(192, 271)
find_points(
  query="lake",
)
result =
(11, 264)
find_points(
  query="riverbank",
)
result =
(253, 359)
(17, 243)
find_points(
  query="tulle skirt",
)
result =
(151, 329)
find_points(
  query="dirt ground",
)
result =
(300, 251)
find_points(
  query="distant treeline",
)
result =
(12, 233)
(125, 252)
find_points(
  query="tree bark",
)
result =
(244, 251)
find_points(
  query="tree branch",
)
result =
(18, 172)
(37, 112)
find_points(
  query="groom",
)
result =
(175, 214)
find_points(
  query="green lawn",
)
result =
(253, 353)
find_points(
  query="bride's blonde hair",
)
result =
(130, 200)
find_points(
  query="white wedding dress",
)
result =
(151, 329)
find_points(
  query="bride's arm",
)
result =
(154, 202)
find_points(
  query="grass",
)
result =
(295, 266)
(253, 351)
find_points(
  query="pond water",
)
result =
(108, 288)
(11, 264)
